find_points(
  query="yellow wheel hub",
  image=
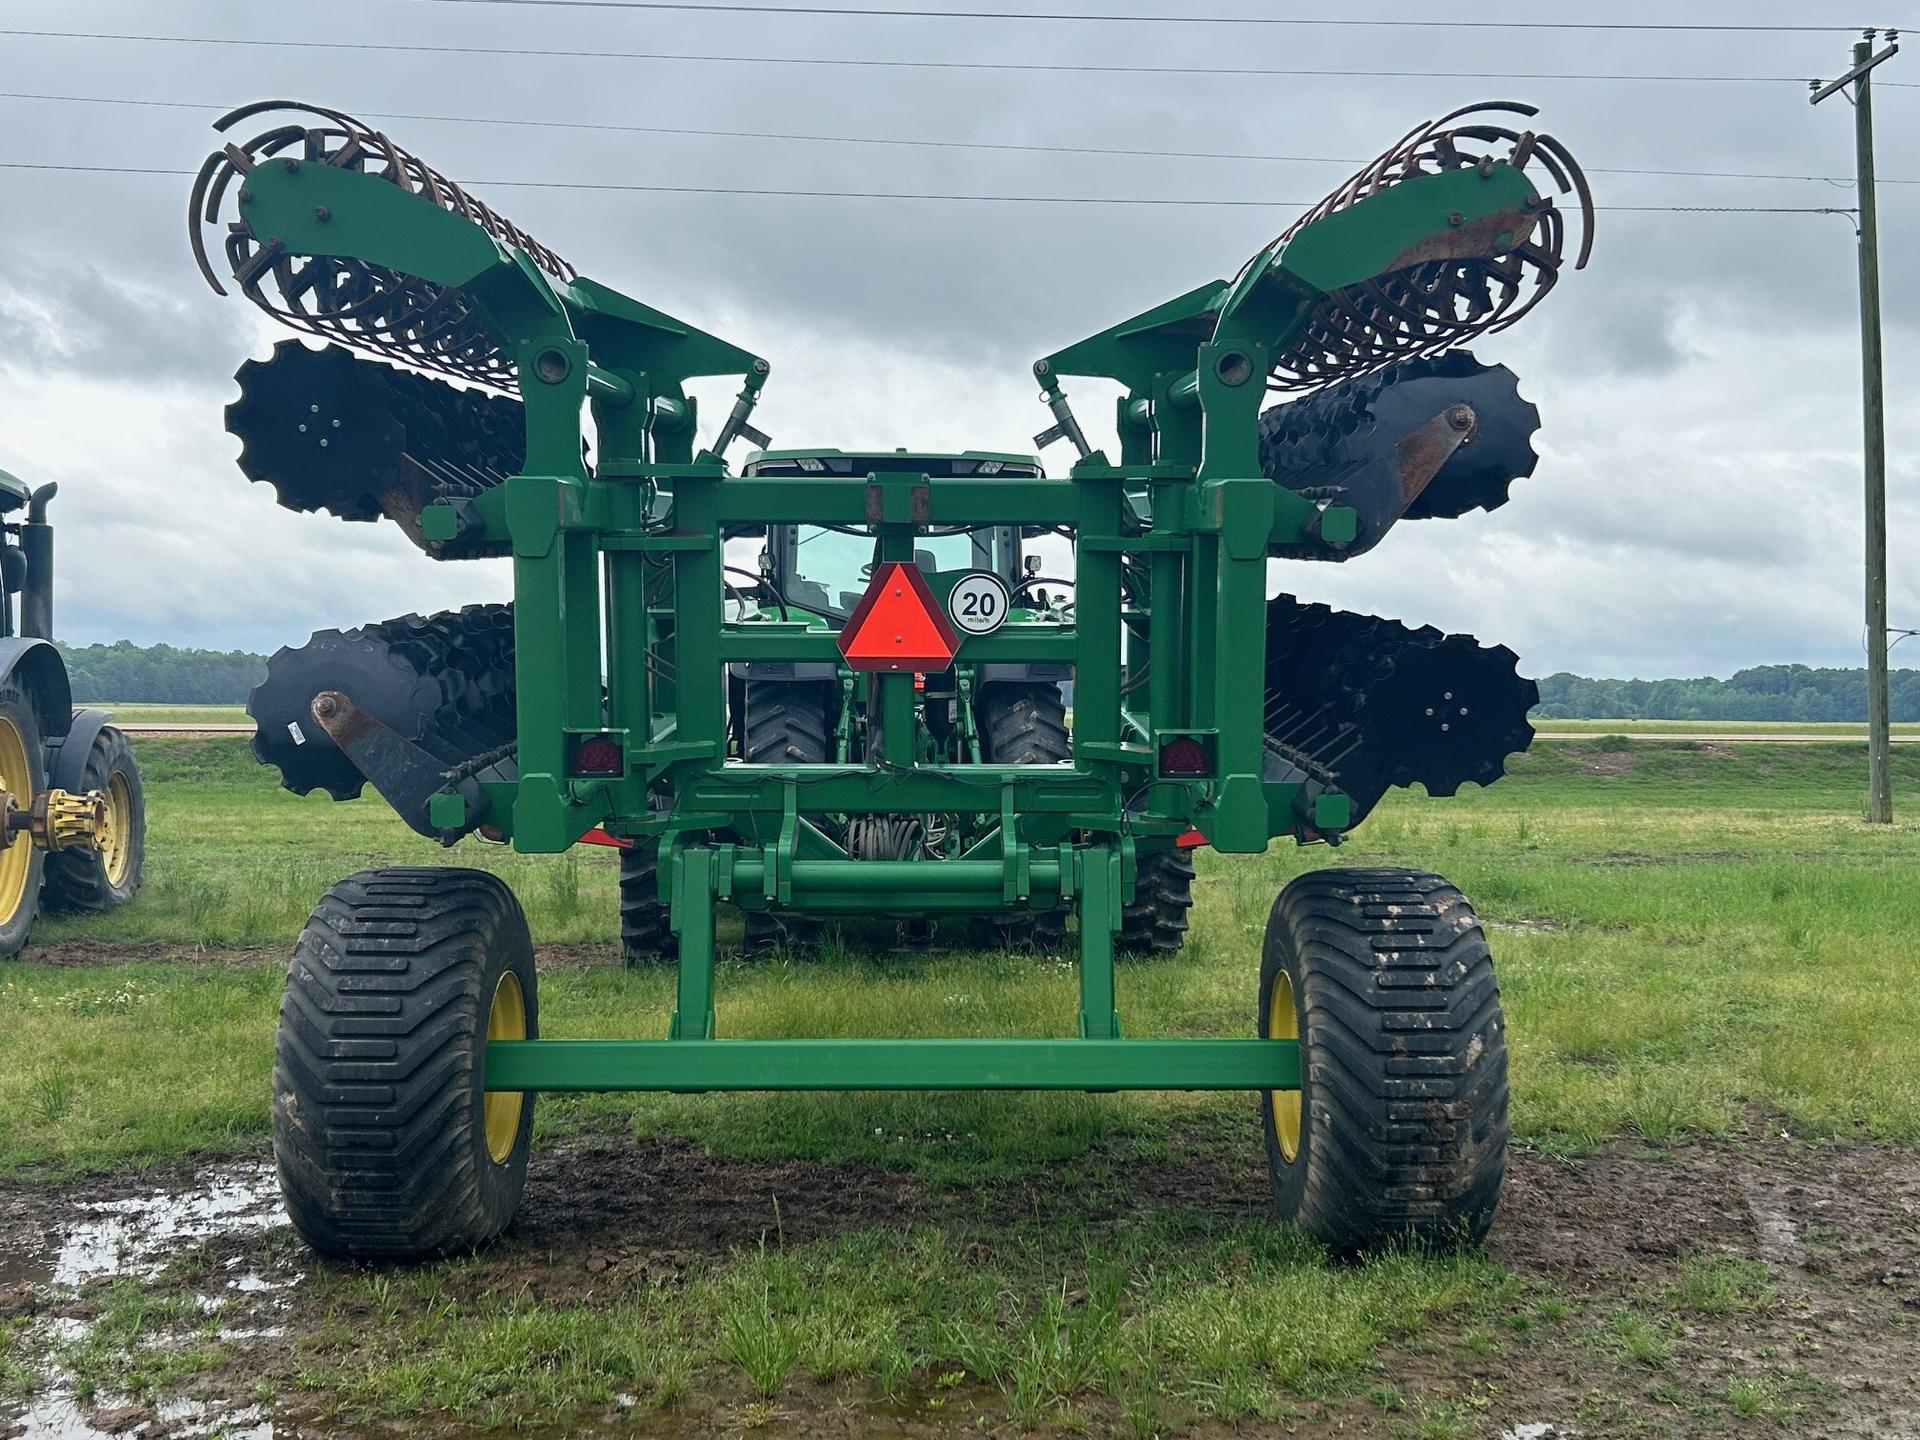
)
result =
(1283, 1023)
(116, 831)
(507, 1020)
(16, 861)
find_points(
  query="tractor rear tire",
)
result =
(1156, 922)
(81, 879)
(387, 1145)
(646, 936)
(785, 722)
(23, 775)
(1398, 1132)
(1023, 724)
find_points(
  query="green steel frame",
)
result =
(621, 628)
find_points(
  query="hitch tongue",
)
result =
(56, 819)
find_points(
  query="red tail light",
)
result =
(598, 755)
(1184, 756)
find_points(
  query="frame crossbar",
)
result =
(688, 1065)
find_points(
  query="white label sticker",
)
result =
(293, 729)
(979, 603)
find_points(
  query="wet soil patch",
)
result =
(70, 954)
(606, 1212)
(1849, 1212)
(1601, 1246)
(1615, 1213)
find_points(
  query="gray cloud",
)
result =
(1696, 508)
(74, 316)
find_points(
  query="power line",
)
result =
(897, 140)
(1165, 19)
(591, 185)
(908, 141)
(92, 169)
(1732, 209)
(784, 193)
(1213, 72)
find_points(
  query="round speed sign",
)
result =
(979, 603)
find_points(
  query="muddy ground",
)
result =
(1607, 1234)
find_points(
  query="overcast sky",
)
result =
(1697, 507)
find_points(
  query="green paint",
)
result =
(687, 1065)
(622, 623)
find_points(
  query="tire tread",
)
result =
(380, 1049)
(1404, 1052)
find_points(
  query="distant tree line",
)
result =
(1766, 692)
(167, 675)
(125, 673)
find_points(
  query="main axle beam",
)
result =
(689, 1065)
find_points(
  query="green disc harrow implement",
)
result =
(835, 685)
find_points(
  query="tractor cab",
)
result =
(823, 570)
(14, 492)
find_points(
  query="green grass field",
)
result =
(1688, 939)
(1680, 936)
(237, 715)
(1706, 728)
(174, 714)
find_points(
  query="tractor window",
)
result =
(831, 567)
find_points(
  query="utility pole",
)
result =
(1873, 398)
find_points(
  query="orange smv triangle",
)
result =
(898, 625)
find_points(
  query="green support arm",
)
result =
(1471, 212)
(573, 341)
(309, 208)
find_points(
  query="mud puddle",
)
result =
(58, 1416)
(137, 1235)
(58, 1261)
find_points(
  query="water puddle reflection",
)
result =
(136, 1237)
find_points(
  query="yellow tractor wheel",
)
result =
(22, 776)
(88, 879)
